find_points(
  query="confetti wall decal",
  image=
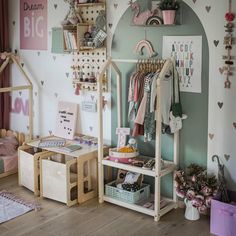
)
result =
(228, 42)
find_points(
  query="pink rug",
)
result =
(12, 206)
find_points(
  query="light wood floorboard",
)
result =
(93, 219)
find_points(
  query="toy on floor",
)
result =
(72, 17)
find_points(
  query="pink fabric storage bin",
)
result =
(223, 218)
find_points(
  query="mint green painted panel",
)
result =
(193, 137)
(57, 40)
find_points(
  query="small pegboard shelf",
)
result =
(91, 42)
(90, 86)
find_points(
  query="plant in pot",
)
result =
(197, 188)
(169, 8)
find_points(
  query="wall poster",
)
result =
(187, 51)
(33, 24)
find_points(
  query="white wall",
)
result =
(48, 71)
(52, 69)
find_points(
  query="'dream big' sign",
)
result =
(33, 24)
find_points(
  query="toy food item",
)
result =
(127, 149)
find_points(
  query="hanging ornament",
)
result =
(228, 42)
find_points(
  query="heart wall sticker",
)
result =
(227, 157)
(208, 8)
(220, 104)
(211, 136)
(216, 42)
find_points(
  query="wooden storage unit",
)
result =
(68, 177)
(90, 55)
(28, 167)
(87, 176)
(57, 181)
(157, 174)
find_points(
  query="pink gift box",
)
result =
(223, 218)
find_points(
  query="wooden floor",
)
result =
(91, 218)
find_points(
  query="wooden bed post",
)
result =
(100, 121)
(10, 57)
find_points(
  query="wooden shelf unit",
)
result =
(91, 4)
(92, 53)
(158, 173)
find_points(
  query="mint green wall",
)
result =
(193, 138)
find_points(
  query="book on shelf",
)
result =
(70, 40)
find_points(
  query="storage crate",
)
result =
(130, 197)
(28, 167)
(57, 180)
(223, 217)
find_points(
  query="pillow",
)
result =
(8, 146)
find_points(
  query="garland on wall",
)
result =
(228, 42)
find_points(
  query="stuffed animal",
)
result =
(72, 17)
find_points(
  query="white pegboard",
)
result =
(90, 11)
(89, 61)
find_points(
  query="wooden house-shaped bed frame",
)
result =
(13, 58)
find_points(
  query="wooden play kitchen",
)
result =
(68, 177)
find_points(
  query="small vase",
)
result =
(191, 212)
(168, 17)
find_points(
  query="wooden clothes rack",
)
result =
(12, 58)
(170, 166)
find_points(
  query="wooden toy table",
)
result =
(56, 179)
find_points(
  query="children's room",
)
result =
(117, 117)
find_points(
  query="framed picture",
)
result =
(187, 51)
(33, 24)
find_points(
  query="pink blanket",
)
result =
(10, 162)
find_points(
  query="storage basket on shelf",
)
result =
(121, 157)
(126, 196)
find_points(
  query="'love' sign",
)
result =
(20, 106)
(33, 24)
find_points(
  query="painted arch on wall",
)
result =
(221, 116)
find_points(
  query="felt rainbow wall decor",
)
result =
(145, 44)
